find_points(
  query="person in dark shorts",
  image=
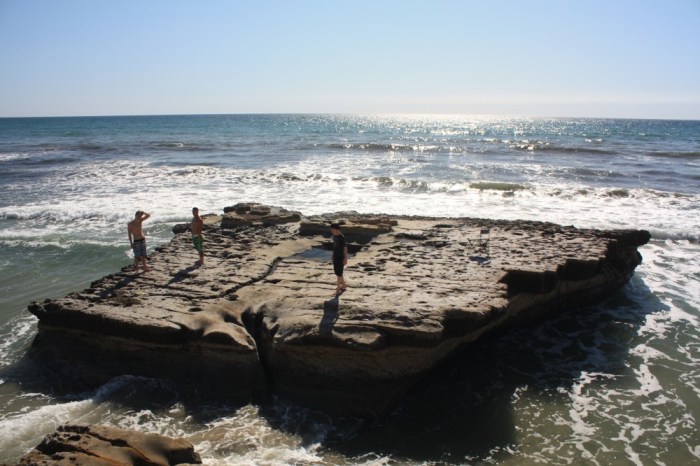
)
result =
(340, 257)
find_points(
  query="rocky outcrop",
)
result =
(91, 445)
(261, 315)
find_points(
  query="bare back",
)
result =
(197, 224)
(136, 229)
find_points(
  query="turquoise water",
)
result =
(615, 383)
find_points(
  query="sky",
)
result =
(593, 58)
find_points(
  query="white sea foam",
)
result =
(670, 268)
(89, 206)
(14, 156)
(15, 337)
(248, 438)
(21, 432)
(23, 429)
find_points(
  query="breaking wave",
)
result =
(95, 202)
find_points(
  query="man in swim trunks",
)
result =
(197, 240)
(340, 257)
(138, 240)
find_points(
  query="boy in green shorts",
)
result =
(197, 240)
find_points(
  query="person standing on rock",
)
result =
(138, 240)
(340, 257)
(197, 239)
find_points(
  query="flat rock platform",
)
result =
(261, 316)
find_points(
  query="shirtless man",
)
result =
(138, 240)
(197, 240)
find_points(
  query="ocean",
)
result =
(615, 383)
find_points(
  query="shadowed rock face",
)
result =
(261, 315)
(87, 445)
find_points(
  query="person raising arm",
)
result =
(138, 240)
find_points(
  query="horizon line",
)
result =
(376, 114)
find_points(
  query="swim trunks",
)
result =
(139, 247)
(198, 242)
(338, 267)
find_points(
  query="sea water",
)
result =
(614, 383)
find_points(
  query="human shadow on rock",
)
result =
(331, 308)
(126, 280)
(182, 274)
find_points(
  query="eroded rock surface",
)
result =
(261, 313)
(92, 445)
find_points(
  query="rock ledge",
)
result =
(260, 317)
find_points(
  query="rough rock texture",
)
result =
(91, 445)
(261, 314)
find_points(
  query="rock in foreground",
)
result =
(261, 316)
(89, 445)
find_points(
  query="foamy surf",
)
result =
(102, 217)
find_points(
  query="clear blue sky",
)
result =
(605, 58)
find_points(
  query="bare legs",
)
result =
(142, 260)
(341, 286)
